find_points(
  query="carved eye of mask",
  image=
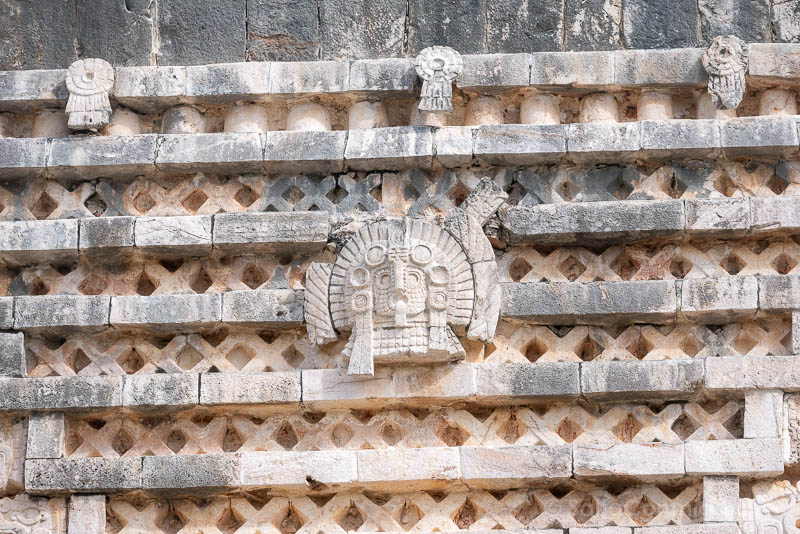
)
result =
(422, 254)
(439, 275)
(359, 277)
(375, 255)
(384, 281)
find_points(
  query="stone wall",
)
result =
(46, 34)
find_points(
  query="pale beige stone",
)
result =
(707, 110)
(720, 498)
(655, 106)
(599, 107)
(247, 118)
(87, 514)
(484, 110)
(763, 414)
(778, 102)
(50, 123)
(540, 109)
(124, 122)
(367, 114)
(307, 116)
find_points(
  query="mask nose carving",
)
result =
(398, 300)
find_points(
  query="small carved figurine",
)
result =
(438, 66)
(406, 288)
(89, 81)
(725, 62)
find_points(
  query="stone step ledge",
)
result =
(434, 468)
(396, 148)
(154, 87)
(737, 375)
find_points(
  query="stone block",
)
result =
(87, 514)
(589, 223)
(18, 88)
(678, 66)
(166, 312)
(60, 393)
(684, 139)
(61, 312)
(271, 232)
(160, 391)
(773, 62)
(267, 308)
(779, 294)
(747, 19)
(678, 379)
(748, 136)
(521, 144)
(12, 351)
(42, 44)
(603, 142)
(382, 75)
(454, 23)
(283, 30)
(212, 152)
(249, 388)
(398, 148)
(298, 470)
(763, 414)
(718, 300)
(659, 25)
(409, 469)
(187, 472)
(506, 467)
(361, 29)
(309, 77)
(720, 498)
(130, 41)
(23, 242)
(601, 530)
(174, 236)
(199, 34)
(796, 332)
(23, 157)
(592, 25)
(576, 69)
(619, 302)
(228, 81)
(494, 71)
(82, 475)
(719, 216)
(45, 435)
(775, 214)
(7, 312)
(658, 462)
(707, 528)
(517, 383)
(512, 26)
(452, 146)
(102, 236)
(753, 373)
(148, 88)
(330, 388)
(297, 152)
(741, 457)
(423, 385)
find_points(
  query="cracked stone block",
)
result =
(283, 30)
(728, 216)
(60, 393)
(72, 475)
(271, 232)
(775, 214)
(453, 146)
(641, 379)
(718, 300)
(743, 457)
(511, 382)
(398, 148)
(294, 152)
(593, 24)
(660, 462)
(126, 42)
(200, 34)
(603, 142)
(46, 435)
(161, 391)
(178, 236)
(249, 388)
(137, 87)
(500, 467)
(523, 144)
(298, 469)
(265, 308)
(61, 312)
(213, 152)
(12, 351)
(166, 311)
(228, 81)
(381, 28)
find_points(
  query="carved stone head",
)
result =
(726, 63)
(406, 288)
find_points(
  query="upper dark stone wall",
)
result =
(42, 34)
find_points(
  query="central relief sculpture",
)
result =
(406, 288)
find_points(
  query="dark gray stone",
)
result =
(786, 21)
(365, 29)
(459, 24)
(647, 24)
(747, 19)
(36, 34)
(110, 30)
(592, 24)
(196, 33)
(283, 30)
(514, 26)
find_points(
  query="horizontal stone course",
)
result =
(641, 379)
(652, 461)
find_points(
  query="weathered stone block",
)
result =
(60, 393)
(140, 87)
(386, 74)
(688, 138)
(128, 41)
(515, 383)
(280, 308)
(795, 332)
(453, 146)
(294, 152)
(161, 391)
(187, 472)
(283, 30)
(775, 61)
(579, 69)
(454, 23)
(26, 157)
(706, 528)
(249, 388)
(271, 232)
(747, 19)
(106, 235)
(512, 26)
(728, 216)
(600, 302)
(228, 81)
(775, 214)
(405, 147)
(641, 379)
(659, 25)
(309, 77)
(166, 311)
(648, 462)
(752, 373)
(213, 152)
(179, 236)
(779, 293)
(198, 34)
(81, 475)
(521, 144)
(759, 136)
(7, 312)
(592, 24)
(720, 499)
(37, 241)
(409, 468)
(420, 384)
(87, 514)
(763, 414)
(92, 157)
(298, 469)
(504, 467)
(494, 71)
(742, 457)
(603, 142)
(12, 351)
(45, 435)
(41, 45)
(18, 88)
(381, 27)
(719, 299)
(680, 66)
(61, 312)
(326, 388)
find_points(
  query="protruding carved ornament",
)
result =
(406, 288)
(438, 66)
(775, 509)
(725, 62)
(89, 82)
